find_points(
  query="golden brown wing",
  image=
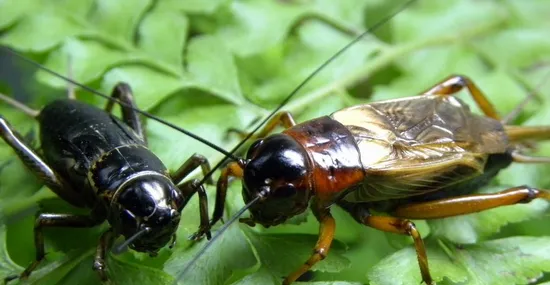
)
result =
(415, 145)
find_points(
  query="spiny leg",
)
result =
(456, 83)
(37, 165)
(393, 225)
(468, 204)
(105, 242)
(327, 227)
(233, 169)
(191, 164)
(284, 119)
(404, 227)
(53, 220)
(188, 189)
(123, 92)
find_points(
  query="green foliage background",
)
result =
(212, 65)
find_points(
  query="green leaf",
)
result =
(140, 79)
(119, 18)
(283, 254)
(255, 26)
(89, 60)
(208, 66)
(49, 27)
(219, 75)
(12, 10)
(333, 283)
(227, 256)
(201, 116)
(7, 266)
(193, 6)
(163, 34)
(517, 259)
(262, 276)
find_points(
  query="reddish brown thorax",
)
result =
(336, 163)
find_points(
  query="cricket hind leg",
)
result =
(123, 92)
(468, 204)
(401, 226)
(455, 83)
(327, 228)
(35, 163)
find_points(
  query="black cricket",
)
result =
(94, 160)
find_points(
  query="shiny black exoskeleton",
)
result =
(94, 160)
(278, 166)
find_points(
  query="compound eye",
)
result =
(286, 191)
(253, 148)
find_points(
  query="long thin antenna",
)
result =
(532, 94)
(124, 245)
(308, 78)
(24, 108)
(218, 234)
(144, 113)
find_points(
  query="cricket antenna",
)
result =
(218, 234)
(144, 113)
(124, 245)
(532, 94)
(308, 78)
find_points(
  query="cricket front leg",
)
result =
(233, 169)
(188, 189)
(284, 119)
(195, 161)
(105, 243)
(327, 228)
